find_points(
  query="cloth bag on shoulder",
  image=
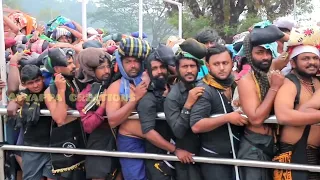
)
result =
(70, 135)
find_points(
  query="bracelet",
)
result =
(273, 90)
(175, 149)
(13, 64)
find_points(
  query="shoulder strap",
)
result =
(295, 80)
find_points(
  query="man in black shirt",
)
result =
(216, 133)
(177, 107)
(36, 128)
(155, 131)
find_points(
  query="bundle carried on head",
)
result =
(305, 36)
(134, 47)
(194, 47)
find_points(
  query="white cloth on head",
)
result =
(304, 49)
(285, 22)
(92, 31)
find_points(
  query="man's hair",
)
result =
(30, 72)
(285, 30)
(208, 35)
(217, 49)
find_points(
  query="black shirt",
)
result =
(209, 103)
(38, 134)
(178, 120)
(148, 107)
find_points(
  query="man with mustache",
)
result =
(218, 135)
(59, 98)
(257, 96)
(123, 96)
(177, 107)
(95, 71)
(157, 132)
(299, 140)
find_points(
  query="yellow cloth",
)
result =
(257, 85)
(209, 80)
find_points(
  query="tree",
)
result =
(47, 14)
(225, 15)
(122, 16)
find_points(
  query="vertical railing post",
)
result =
(141, 19)
(2, 157)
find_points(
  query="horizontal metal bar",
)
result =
(173, 2)
(75, 113)
(224, 161)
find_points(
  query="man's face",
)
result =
(158, 70)
(132, 66)
(70, 70)
(65, 39)
(220, 65)
(34, 86)
(209, 44)
(103, 71)
(188, 70)
(261, 58)
(307, 64)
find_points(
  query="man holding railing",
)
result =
(257, 91)
(95, 71)
(157, 133)
(299, 142)
(219, 136)
(122, 98)
(36, 129)
(66, 131)
(177, 107)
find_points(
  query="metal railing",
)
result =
(135, 115)
(223, 161)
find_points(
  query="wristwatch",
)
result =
(185, 111)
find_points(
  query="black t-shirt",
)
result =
(38, 134)
(209, 103)
(148, 107)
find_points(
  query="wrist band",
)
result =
(273, 90)
(13, 64)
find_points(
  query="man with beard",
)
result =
(257, 96)
(66, 131)
(158, 133)
(95, 71)
(35, 166)
(122, 98)
(299, 136)
(217, 136)
(177, 107)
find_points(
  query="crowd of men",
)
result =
(124, 78)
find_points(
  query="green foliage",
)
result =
(190, 25)
(246, 23)
(121, 16)
(47, 14)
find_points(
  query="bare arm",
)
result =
(15, 29)
(209, 124)
(284, 108)
(156, 139)
(117, 114)
(256, 111)
(57, 106)
(312, 107)
(13, 75)
(78, 26)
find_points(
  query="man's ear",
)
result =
(56, 69)
(207, 64)
(293, 63)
